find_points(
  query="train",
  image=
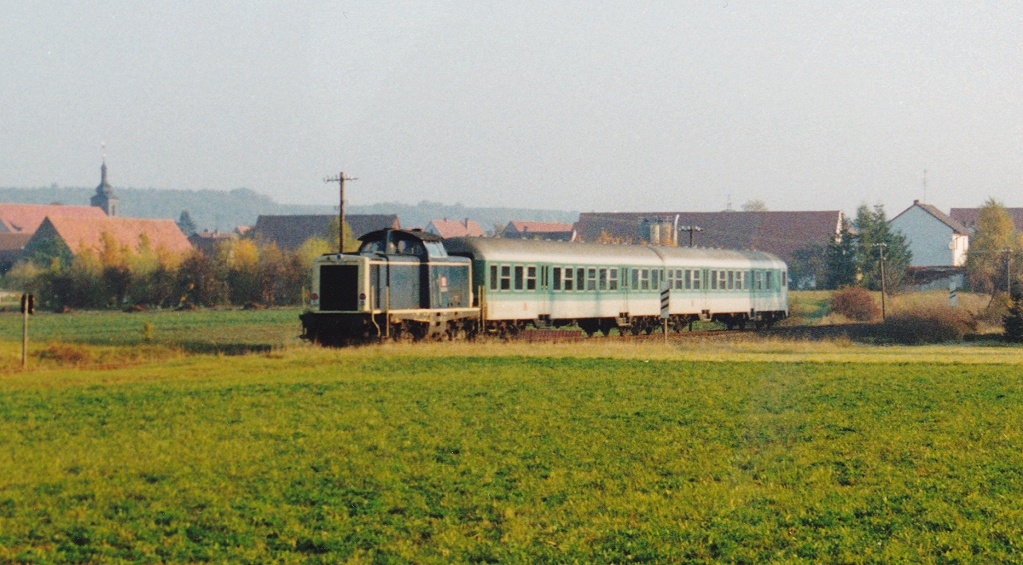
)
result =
(412, 285)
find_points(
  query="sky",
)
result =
(586, 106)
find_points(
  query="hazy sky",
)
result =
(590, 106)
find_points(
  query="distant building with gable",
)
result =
(26, 218)
(206, 241)
(289, 232)
(780, 233)
(76, 235)
(551, 231)
(968, 217)
(452, 228)
(935, 239)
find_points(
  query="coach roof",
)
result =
(560, 251)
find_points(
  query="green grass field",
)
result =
(746, 450)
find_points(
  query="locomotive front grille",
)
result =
(339, 288)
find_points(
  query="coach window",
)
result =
(655, 280)
(612, 281)
(671, 278)
(679, 280)
(689, 279)
(767, 280)
(602, 279)
(505, 277)
(758, 280)
(493, 277)
(784, 278)
(591, 279)
(713, 279)
(530, 278)
(518, 277)
(557, 279)
(731, 280)
(644, 279)
(568, 278)
(635, 279)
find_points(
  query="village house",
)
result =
(938, 245)
(451, 228)
(76, 235)
(551, 231)
(289, 232)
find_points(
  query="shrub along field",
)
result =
(741, 451)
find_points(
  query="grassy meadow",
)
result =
(743, 450)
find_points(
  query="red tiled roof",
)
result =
(454, 228)
(968, 216)
(26, 218)
(87, 233)
(538, 227)
(291, 231)
(953, 224)
(780, 233)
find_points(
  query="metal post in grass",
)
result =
(28, 306)
(880, 253)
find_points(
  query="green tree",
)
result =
(841, 258)
(994, 241)
(351, 244)
(873, 236)
(186, 225)
(809, 265)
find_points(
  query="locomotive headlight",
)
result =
(314, 296)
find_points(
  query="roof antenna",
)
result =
(925, 185)
(728, 203)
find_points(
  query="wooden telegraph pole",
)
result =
(340, 180)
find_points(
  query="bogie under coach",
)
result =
(413, 285)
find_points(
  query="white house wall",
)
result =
(930, 239)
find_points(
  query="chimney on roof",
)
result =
(467, 223)
(915, 202)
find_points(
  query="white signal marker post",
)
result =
(665, 300)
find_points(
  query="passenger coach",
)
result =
(601, 287)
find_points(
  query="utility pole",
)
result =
(692, 230)
(880, 252)
(340, 179)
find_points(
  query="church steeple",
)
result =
(104, 197)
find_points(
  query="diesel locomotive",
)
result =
(413, 285)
